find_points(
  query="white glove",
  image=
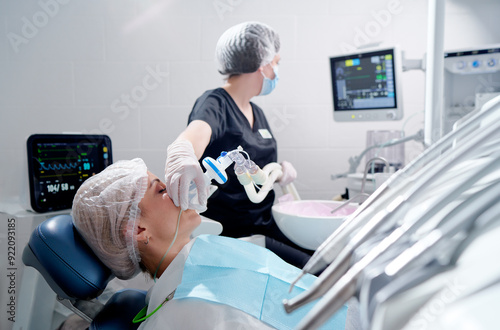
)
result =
(289, 173)
(181, 168)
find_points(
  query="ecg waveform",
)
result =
(56, 167)
(45, 167)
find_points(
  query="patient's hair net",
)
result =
(246, 47)
(106, 210)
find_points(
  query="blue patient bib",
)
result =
(247, 277)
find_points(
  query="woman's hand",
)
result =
(289, 173)
(181, 168)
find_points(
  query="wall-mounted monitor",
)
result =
(59, 163)
(366, 85)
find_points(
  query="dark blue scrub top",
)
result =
(230, 129)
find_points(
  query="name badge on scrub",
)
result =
(265, 133)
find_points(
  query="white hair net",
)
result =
(106, 210)
(245, 47)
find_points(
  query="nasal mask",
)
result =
(268, 85)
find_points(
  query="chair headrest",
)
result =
(66, 262)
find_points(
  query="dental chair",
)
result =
(78, 277)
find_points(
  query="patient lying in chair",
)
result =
(125, 215)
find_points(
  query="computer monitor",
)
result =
(366, 85)
(59, 163)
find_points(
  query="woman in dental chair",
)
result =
(209, 282)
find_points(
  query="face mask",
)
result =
(268, 85)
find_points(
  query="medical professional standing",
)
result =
(223, 119)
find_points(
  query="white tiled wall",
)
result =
(85, 65)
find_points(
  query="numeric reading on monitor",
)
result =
(59, 168)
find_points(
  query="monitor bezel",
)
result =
(375, 114)
(34, 139)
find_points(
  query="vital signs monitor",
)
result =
(59, 163)
(366, 87)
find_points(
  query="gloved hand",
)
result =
(289, 173)
(181, 168)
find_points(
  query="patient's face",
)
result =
(162, 214)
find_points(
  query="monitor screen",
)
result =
(365, 86)
(59, 163)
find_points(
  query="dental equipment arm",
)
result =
(340, 249)
(347, 283)
(459, 220)
(434, 252)
(391, 188)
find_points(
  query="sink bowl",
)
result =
(308, 223)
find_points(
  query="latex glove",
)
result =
(181, 168)
(289, 173)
